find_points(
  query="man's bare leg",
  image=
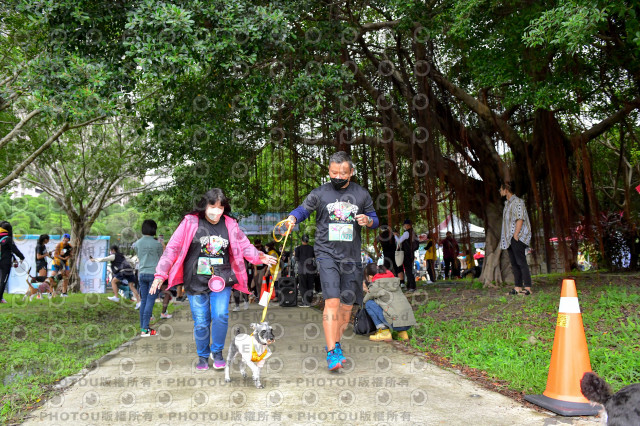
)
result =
(331, 321)
(344, 315)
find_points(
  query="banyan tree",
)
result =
(442, 102)
(438, 101)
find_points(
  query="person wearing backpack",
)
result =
(408, 243)
(386, 305)
(7, 250)
(123, 274)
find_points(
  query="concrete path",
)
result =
(153, 381)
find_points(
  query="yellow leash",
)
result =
(277, 271)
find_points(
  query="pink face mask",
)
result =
(214, 213)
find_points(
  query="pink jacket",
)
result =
(172, 260)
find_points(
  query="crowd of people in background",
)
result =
(214, 264)
(129, 273)
(454, 263)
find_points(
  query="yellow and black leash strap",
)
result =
(277, 271)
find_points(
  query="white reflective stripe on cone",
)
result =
(569, 305)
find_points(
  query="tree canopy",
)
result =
(437, 101)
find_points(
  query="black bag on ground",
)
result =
(288, 292)
(362, 323)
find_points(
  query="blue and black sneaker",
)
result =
(338, 351)
(333, 360)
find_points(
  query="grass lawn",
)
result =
(508, 339)
(46, 340)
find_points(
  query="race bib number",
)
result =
(340, 232)
(206, 264)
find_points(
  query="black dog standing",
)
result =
(622, 408)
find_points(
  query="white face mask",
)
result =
(214, 213)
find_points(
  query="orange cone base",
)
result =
(564, 408)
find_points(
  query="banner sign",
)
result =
(262, 224)
(92, 274)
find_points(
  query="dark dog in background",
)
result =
(621, 408)
(253, 350)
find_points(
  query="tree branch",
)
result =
(4, 104)
(509, 134)
(121, 195)
(97, 206)
(598, 129)
(9, 79)
(374, 94)
(15, 173)
(18, 126)
(375, 26)
(86, 123)
(44, 187)
(373, 141)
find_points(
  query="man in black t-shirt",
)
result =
(342, 208)
(305, 258)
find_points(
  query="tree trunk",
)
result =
(497, 267)
(79, 230)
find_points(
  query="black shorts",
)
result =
(41, 265)
(341, 280)
(129, 278)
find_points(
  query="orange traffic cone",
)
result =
(569, 360)
(265, 288)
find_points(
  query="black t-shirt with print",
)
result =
(337, 231)
(41, 250)
(209, 249)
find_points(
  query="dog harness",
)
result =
(254, 355)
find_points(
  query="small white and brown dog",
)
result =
(253, 350)
(38, 285)
(621, 408)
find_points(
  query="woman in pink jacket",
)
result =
(207, 254)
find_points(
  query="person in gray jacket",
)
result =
(386, 304)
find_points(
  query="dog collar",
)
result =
(254, 355)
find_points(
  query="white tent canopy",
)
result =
(458, 228)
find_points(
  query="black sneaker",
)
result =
(203, 363)
(218, 360)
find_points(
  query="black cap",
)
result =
(407, 222)
(305, 238)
